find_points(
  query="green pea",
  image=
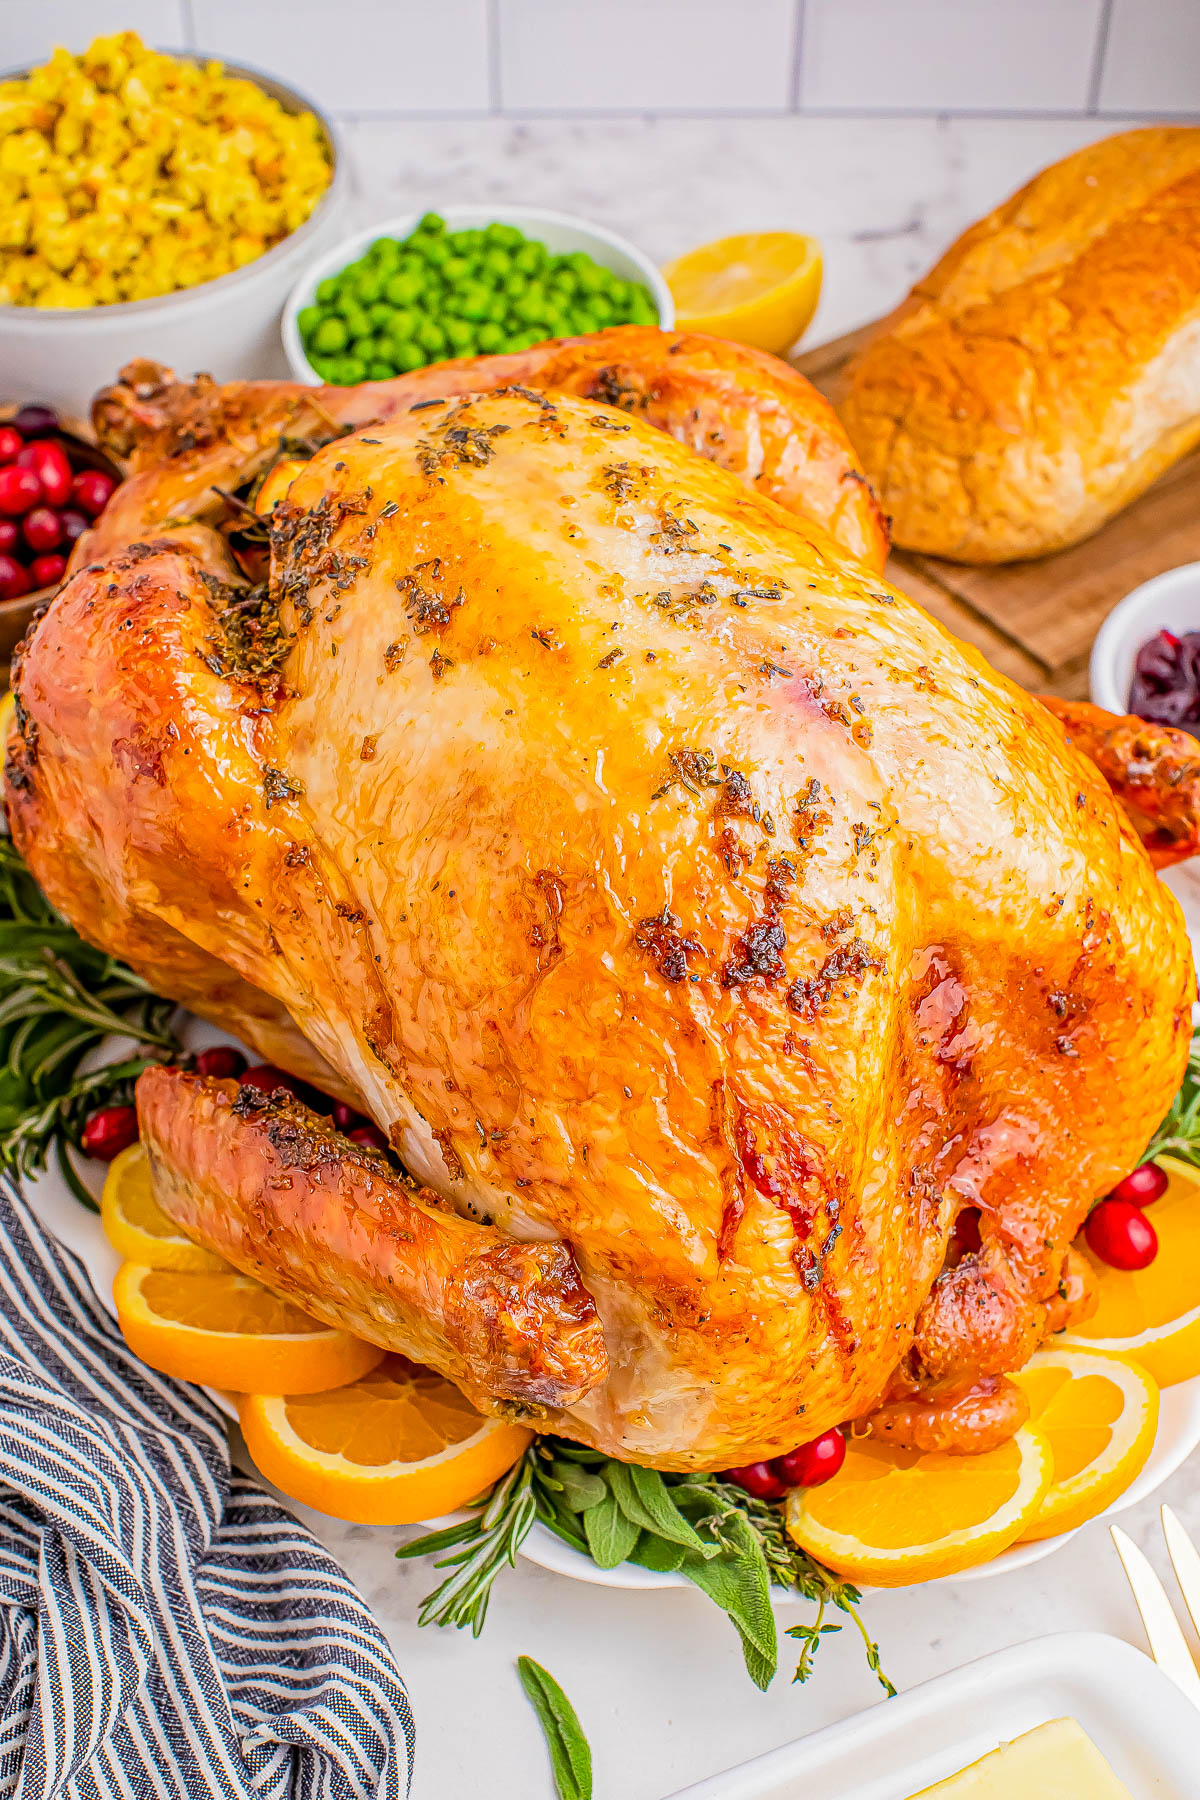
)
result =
(380, 369)
(473, 300)
(495, 264)
(436, 252)
(331, 336)
(454, 268)
(530, 257)
(590, 277)
(507, 236)
(327, 290)
(364, 348)
(386, 253)
(514, 284)
(326, 367)
(533, 306)
(352, 371)
(369, 285)
(408, 356)
(431, 337)
(458, 334)
(402, 288)
(642, 310)
(431, 223)
(402, 323)
(380, 315)
(307, 320)
(489, 337)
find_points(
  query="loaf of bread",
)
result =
(1047, 369)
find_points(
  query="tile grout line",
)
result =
(1099, 55)
(493, 58)
(798, 24)
(539, 115)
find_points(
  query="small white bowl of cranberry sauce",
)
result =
(1146, 658)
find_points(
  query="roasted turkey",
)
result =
(755, 987)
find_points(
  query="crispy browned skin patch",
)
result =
(271, 1187)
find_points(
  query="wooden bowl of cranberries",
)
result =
(54, 482)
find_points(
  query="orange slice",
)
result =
(228, 1331)
(1153, 1315)
(399, 1445)
(136, 1225)
(759, 288)
(1099, 1415)
(892, 1517)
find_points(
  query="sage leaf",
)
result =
(739, 1583)
(580, 1488)
(570, 1752)
(657, 1554)
(610, 1535)
(644, 1497)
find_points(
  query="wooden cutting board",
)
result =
(1035, 621)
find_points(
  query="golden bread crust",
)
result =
(1047, 370)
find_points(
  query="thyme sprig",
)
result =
(59, 998)
(731, 1545)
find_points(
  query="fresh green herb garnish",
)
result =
(1179, 1133)
(570, 1752)
(732, 1546)
(59, 998)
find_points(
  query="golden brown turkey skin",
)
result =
(664, 883)
(746, 411)
(267, 1184)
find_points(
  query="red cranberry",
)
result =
(19, 490)
(221, 1063)
(345, 1117)
(10, 537)
(812, 1463)
(74, 523)
(48, 571)
(758, 1479)
(110, 1131)
(269, 1079)
(41, 529)
(35, 421)
(15, 578)
(368, 1134)
(10, 443)
(1142, 1185)
(49, 463)
(1121, 1235)
(93, 489)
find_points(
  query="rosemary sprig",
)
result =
(732, 1546)
(59, 998)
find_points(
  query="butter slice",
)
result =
(1057, 1761)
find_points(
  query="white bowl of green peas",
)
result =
(470, 281)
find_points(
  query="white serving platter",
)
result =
(80, 1231)
(1136, 1717)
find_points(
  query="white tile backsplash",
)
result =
(706, 56)
(1152, 62)
(30, 29)
(470, 58)
(949, 55)
(353, 56)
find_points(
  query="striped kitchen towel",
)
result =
(166, 1630)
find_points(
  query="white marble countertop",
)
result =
(657, 1678)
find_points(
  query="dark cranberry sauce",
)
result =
(1166, 681)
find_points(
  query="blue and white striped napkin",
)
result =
(166, 1630)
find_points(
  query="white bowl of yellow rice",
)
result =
(179, 196)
